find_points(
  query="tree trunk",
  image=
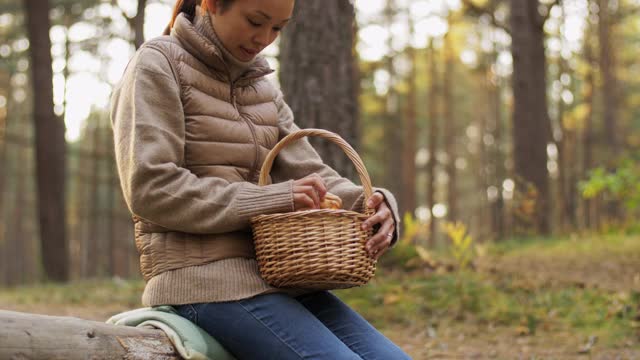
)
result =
(20, 212)
(567, 152)
(531, 126)
(587, 132)
(138, 24)
(433, 138)
(609, 81)
(30, 336)
(561, 144)
(479, 164)
(571, 195)
(392, 124)
(95, 237)
(609, 96)
(50, 145)
(4, 162)
(319, 75)
(501, 154)
(10, 215)
(83, 208)
(31, 246)
(498, 156)
(450, 129)
(6, 92)
(116, 257)
(408, 202)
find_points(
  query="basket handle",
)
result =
(351, 153)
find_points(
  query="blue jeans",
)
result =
(278, 326)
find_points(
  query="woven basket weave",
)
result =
(314, 249)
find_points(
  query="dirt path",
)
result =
(469, 342)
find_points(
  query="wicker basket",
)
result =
(314, 249)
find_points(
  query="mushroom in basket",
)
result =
(332, 202)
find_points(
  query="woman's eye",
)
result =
(277, 29)
(253, 23)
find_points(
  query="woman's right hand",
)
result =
(308, 192)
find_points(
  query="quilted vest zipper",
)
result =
(253, 171)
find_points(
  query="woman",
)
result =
(194, 118)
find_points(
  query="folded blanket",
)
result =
(191, 342)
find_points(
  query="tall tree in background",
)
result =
(433, 139)
(588, 94)
(393, 132)
(449, 126)
(498, 155)
(566, 139)
(94, 247)
(609, 81)
(136, 23)
(493, 155)
(5, 91)
(531, 125)
(319, 74)
(408, 200)
(18, 250)
(50, 145)
(610, 96)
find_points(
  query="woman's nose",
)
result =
(263, 38)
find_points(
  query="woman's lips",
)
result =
(249, 52)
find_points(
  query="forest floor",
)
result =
(568, 298)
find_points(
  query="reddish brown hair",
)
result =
(189, 7)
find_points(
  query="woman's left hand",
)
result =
(381, 240)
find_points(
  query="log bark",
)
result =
(31, 336)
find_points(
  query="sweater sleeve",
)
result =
(300, 159)
(149, 138)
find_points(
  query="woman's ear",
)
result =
(213, 6)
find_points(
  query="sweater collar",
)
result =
(199, 39)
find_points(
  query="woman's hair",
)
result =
(189, 8)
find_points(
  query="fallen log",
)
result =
(31, 336)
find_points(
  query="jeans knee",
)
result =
(388, 353)
(395, 354)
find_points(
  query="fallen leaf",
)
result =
(522, 330)
(391, 299)
(589, 345)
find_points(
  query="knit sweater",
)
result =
(193, 232)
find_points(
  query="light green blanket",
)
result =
(191, 342)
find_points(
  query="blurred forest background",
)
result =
(515, 118)
(508, 130)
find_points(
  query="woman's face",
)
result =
(248, 26)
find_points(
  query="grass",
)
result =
(478, 299)
(575, 245)
(81, 293)
(509, 300)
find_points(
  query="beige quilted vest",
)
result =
(230, 126)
